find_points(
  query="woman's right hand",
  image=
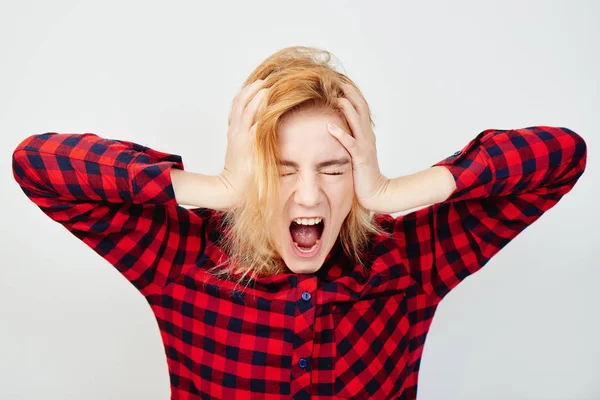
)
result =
(240, 139)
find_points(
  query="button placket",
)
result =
(303, 333)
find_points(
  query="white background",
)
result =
(163, 74)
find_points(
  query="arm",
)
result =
(118, 198)
(204, 191)
(429, 186)
(504, 181)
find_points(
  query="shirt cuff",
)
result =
(151, 177)
(470, 169)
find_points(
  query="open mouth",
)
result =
(306, 238)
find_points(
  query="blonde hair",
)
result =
(299, 78)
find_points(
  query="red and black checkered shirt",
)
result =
(337, 333)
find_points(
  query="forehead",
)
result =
(303, 136)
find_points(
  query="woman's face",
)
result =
(307, 189)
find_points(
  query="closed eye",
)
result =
(326, 173)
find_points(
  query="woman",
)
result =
(290, 279)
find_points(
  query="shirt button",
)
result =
(306, 296)
(302, 363)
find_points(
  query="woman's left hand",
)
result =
(369, 183)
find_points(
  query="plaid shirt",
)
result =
(340, 332)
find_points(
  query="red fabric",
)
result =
(339, 333)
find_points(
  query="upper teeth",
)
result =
(307, 221)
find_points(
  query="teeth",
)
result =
(307, 221)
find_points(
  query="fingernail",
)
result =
(332, 126)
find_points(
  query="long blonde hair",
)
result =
(299, 78)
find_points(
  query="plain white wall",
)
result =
(163, 74)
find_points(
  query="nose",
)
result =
(308, 192)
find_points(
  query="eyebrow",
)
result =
(336, 161)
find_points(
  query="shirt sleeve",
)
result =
(117, 197)
(505, 181)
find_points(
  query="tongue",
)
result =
(305, 235)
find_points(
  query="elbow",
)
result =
(25, 159)
(579, 153)
(20, 168)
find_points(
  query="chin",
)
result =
(303, 270)
(300, 264)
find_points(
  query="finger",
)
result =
(241, 99)
(355, 99)
(347, 141)
(253, 129)
(351, 115)
(247, 93)
(250, 111)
